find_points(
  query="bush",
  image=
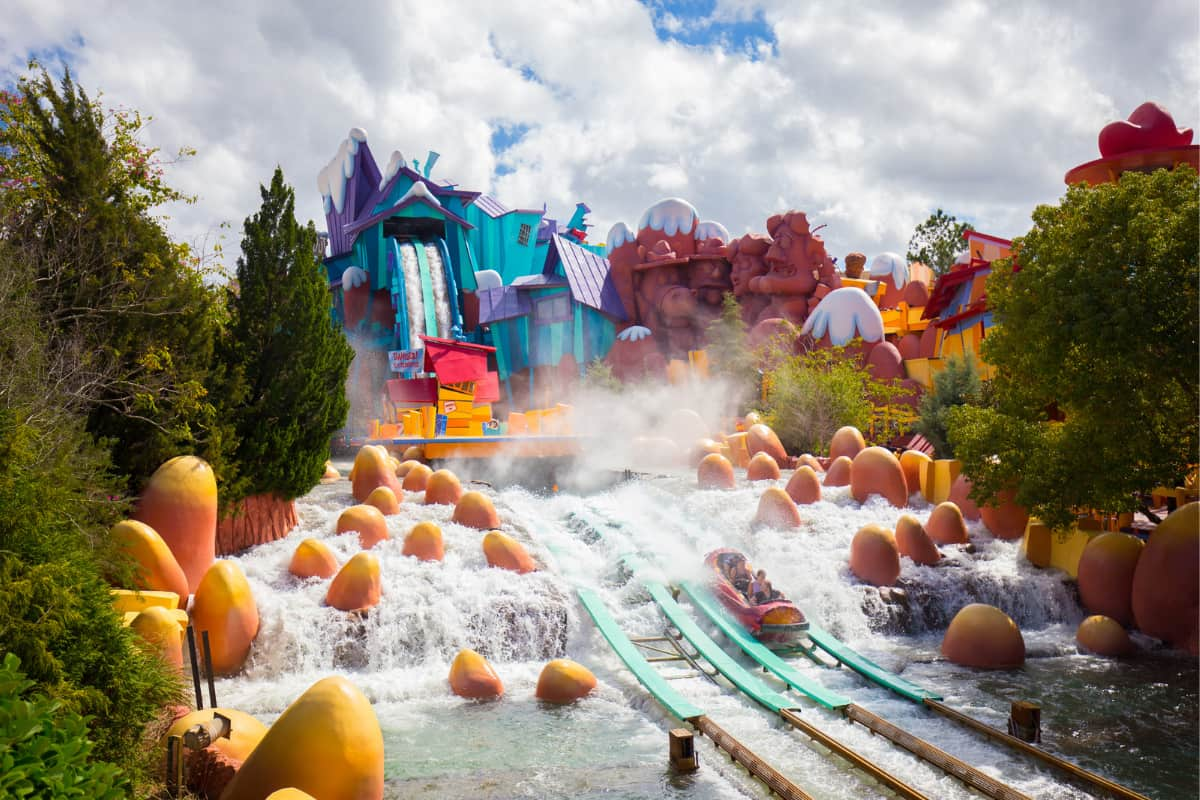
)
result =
(811, 395)
(44, 749)
(958, 384)
(599, 377)
(729, 352)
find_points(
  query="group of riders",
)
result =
(753, 586)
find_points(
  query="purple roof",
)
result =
(380, 193)
(541, 280)
(500, 303)
(491, 206)
(356, 226)
(359, 188)
(588, 275)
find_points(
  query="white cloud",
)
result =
(866, 116)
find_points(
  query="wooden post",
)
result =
(174, 766)
(1025, 721)
(191, 641)
(683, 751)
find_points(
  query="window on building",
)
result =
(523, 234)
(556, 308)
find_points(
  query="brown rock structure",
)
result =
(854, 264)
(257, 519)
(799, 271)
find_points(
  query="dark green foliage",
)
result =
(1101, 322)
(956, 385)
(599, 377)
(44, 749)
(729, 352)
(937, 241)
(811, 395)
(286, 356)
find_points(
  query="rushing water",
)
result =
(1134, 721)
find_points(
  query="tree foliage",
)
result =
(937, 241)
(957, 384)
(730, 353)
(1100, 321)
(287, 359)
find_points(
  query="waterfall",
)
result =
(413, 297)
(414, 294)
(437, 275)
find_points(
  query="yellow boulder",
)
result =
(1166, 584)
(761, 439)
(505, 552)
(160, 629)
(313, 559)
(475, 510)
(331, 473)
(1106, 569)
(564, 681)
(1003, 517)
(984, 636)
(180, 504)
(424, 542)
(383, 498)
(443, 488)
(156, 566)
(224, 606)
(1103, 636)
(416, 478)
(357, 586)
(367, 521)
(245, 731)
(910, 462)
(472, 676)
(372, 468)
(290, 794)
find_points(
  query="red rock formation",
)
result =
(258, 519)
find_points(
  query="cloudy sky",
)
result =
(867, 116)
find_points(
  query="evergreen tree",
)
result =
(958, 384)
(937, 241)
(286, 356)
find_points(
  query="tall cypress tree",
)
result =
(287, 359)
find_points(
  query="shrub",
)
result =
(811, 395)
(729, 353)
(958, 384)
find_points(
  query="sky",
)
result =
(868, 116)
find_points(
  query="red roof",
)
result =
(947, 286)
(487, 390)
(412, 390)
(455, 362)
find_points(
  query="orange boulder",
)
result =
(180, 504)
(910, 463)
(424, 542)
(368, 521)
(475, 510)
(776, 510)
(847, 441)
(984, 636)
(160, 629)
(224, 606)
(313, 559)
(762, 468)
(154, 563)
(372, 468)
(1106, 569)
(874, 557)
(383, 498)
(809, 460)
(472, 676)
(414, 453)
(331, 473)
(946, 525)
(443, 488)
(839, 471)
(960, 495)
(1166, 584)
(245, 731)
(804, 487)
(357, 586)
(1004, 518)
(715, 472)
(564, 681)
(877, 471)
(914, 541)
(417, 478)
(702, 448)
(505, 552)
(1103, 636)
(406, 467)
(761, 439)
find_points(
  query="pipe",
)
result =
(208, 670)
(191, 639)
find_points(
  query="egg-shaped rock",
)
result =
(914, 541)
(472, 676)
(424, 542)
(1103, 636)
(702, 448)
(414, 453)
(809, 460)
(443, 488)
(405, 468)
(839, 471)
(984, 636)
(245, 731)
(761, 439)
(475, 510)
(1166, 583)
(357, 586)
(1105, 573)
(155, 567)
(224, 606)
(751, 419)
(804, 486)
(367, 521)
(874, 557)
(160, 629)
(180, 504)
(505, 552)
(847, 441)
(960, 495)
(331, 473)
(715, 472)
(327, 743)
(762, 468)
(885, 362)
(313, 559)
(564, 681)
(776, 510)
(372, 468)
(910, 464)
(1003, 517)
(417, 478)
(946, 524)
(289, 794)
(386, 500)
(877, 471)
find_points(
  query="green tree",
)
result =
(730, 353)
(1100, 323)
(937, 241)
(956, 385)
(284, 352)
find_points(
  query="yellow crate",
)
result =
(457, 391)
(125, 600)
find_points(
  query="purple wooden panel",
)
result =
(491, 206)
(588, 275)
(503, 302)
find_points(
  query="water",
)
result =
(414, 298)
(1134, 721)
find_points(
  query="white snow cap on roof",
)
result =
(419, 189)
(618, 235)
(353, 277)
(487, 279)
(890, 265)
(671, 216)
(331, 180)
(393, 166)
(712, 230)
(844, 314)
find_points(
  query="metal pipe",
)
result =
(208, 670)
(760, 769)
(191, 640)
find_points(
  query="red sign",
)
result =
(405, 360)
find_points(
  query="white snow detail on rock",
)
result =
(419, 189)
(393, 166)
(671, 216)
(712, 230)
(331, 180)
(890, 265)
(618, 235)
(353, 277)
(487, 279)
(844, 314)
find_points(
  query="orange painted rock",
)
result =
(910, 463)
(180, 504)
(357, 586)
(946, 525)
(702, 448)
(159, 628)
(406, 467)
(443, 488)
(564, 681)
(877, 471)
(715, 472)
(762, 468)
(472, 676)
(848, 441)
(1106, 569)
(424, 542)
(328, 743)
(1005, 519)
(224, 606)
(414, 453)
(874, 557)
(290, 794)
(914, 541)
(368, 521)
(761, 439)
(505, 552)
(776, 510)
(245, 731)
(475, 510)
(809, 460)
(1103, 636)
(155, 565)
(839, 471)
(1166, 583)
(960, 495)
(383, 498)
(417, 478)
(313, 559)
(331, 473)
(984, 636)
(372, 469)
(393, 462)
(751, 419)
(804, 487)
